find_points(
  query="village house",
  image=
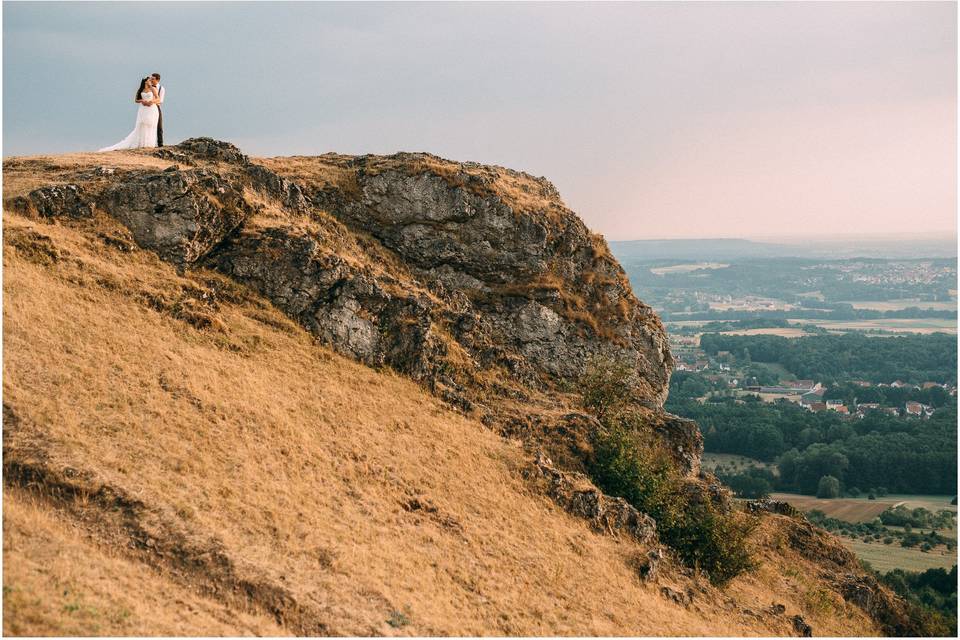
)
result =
(801, 385)
(900, 384)
(913, 408)
(817, 407)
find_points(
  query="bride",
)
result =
(144, 132)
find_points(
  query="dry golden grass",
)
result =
(57, 582)
(201, 465)
(24, 174)
(362, 497)
(786, 577)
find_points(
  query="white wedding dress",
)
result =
(144, 132)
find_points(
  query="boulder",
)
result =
(181, 215)
(683, 439)
(578, 495)
(56, 201)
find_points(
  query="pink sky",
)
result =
(854, 168)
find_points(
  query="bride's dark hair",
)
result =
(143, 83)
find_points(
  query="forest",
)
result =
(829, 358)
(905, 455)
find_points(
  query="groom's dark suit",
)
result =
(160, 93)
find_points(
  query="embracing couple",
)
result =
(148, 129)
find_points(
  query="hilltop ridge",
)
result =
(344, 395)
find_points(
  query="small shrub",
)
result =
(607, 387)
(625, 465)
(398, 619)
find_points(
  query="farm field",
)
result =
(896, 305)
(786, 332)
(686, 323)
(769, 397)
(686, 268)
(862, 509)
(886, 557)
(848, 509)
(901, 325)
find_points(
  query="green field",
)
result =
(883, 557)
(900, 325)
(886, 557)
(713, 460)
(895, 305)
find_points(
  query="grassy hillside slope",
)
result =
(181, 458)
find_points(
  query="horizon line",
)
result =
(826, 236)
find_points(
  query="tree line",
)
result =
(911, 358)
(905, 455)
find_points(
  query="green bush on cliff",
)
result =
(703, 536)
(606, 387)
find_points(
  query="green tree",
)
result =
(828, 487)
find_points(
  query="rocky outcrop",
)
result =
(368, 318)
(181, 215)
(766, 505)
(884, 607)
(545, 285)
(840, 567)
(476, 280)
(62, 200)
(579, 496)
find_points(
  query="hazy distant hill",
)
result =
(904, 246)
(697, 249)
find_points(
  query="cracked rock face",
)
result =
(579, 496)
(348, 309)
(66, 200)
(433, 224)
(181, 215)
(534, 272)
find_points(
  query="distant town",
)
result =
(723, 370)
(827, 379)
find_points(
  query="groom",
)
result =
(155, 80)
